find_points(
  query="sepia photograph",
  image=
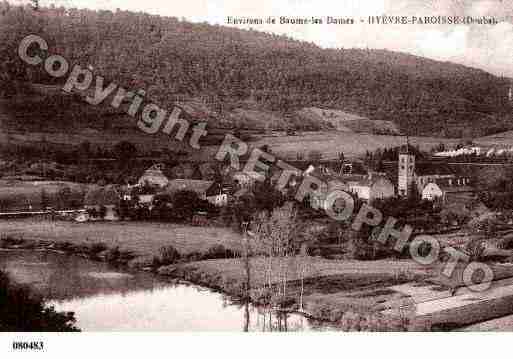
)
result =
(259, 166)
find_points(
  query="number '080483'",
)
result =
(27, 345)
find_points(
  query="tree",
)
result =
(35, 4)
(102, 212)
(493, 178)
(315, 156)
(185, 203)
(64, 197)
(243, 210)
(163, 206)
(23, 311)
(84, 150)
(267, 197)
(45, 199)
(276, 236)
(125, 151)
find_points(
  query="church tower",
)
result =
(406, 173)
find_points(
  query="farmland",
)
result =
(36, 195)
(351, 144)
(498, 139)
(330, 144)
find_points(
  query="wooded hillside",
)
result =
(174, 59)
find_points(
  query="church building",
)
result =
(429, 180)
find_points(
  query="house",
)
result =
(198, 186)
(367, 187)
(106, 197)
(217, 194)
(200, 219)
(447, 193)
(372, 187)
(145, 199)
(154, 176)
(247, 178)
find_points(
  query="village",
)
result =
(167, 172)
(433, 180)
(144, 224)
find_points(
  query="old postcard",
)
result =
(258, 166)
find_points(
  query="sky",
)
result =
(483, 46)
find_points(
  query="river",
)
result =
(104, 298)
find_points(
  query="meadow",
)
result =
(37, 195)
(142, 238)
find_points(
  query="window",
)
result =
(402, 167)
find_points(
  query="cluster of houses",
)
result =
(433, 181)
(430, 181)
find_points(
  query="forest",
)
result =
(229, 68)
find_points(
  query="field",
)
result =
(142, 238)
(28, 195)
(351, 144)
(330, 144)
(498, 139)
(314, 267)
(348, 122)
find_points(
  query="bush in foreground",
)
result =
(218, 251)
(22, 311)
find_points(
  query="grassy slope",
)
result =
(502, 138)
(352, 144)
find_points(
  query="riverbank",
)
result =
(324, 282)
(142, 240)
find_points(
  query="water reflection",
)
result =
(106, 299)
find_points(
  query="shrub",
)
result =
(169, 255)
(126, 255)
(505, 243)
(218, 251)
(102, 212)
(194, 256)
(97, 248)
(475, 249)
(113, 255)
(21, 311)
(63, 246)
(6, 241)
(92, 212)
